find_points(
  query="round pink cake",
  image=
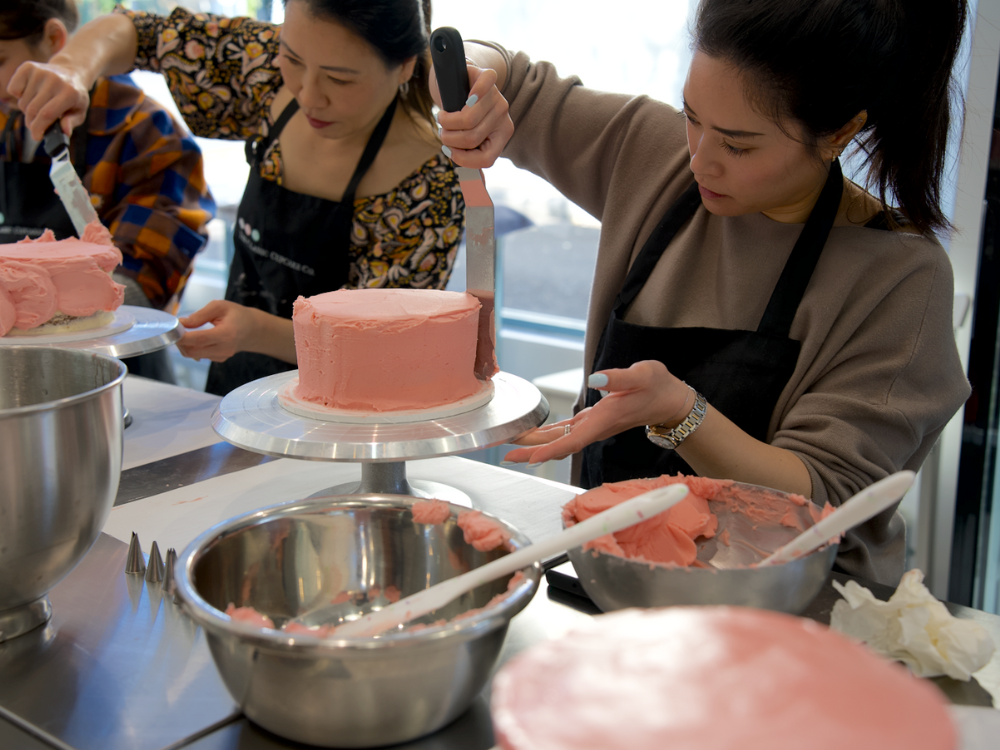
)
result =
(380, 350)
(712, 678)
(52, 283)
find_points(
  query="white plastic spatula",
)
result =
(869, 502)
(614, 519)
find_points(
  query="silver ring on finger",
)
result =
(567, 430)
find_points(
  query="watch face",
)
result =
(662, 442)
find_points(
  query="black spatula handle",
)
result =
(55, 140)
(448, 55)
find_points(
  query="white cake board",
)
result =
(290, 402)
(122, 319)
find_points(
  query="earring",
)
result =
(404, 89)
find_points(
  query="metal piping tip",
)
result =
(154, 568)
(134, 562)
(169, 584)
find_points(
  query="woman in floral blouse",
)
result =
(347, 185)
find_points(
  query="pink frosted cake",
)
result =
(49, 286)
(381, 350)
(712, 678)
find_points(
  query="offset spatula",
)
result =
(448, 54)
(71, 192)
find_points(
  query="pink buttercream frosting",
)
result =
(39, 278)
(379, 350)
(670, 537)
(392, 593)
(249, 615)
(483, 533)
(431, 511)
(712, 678)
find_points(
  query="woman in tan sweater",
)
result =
(773, 322)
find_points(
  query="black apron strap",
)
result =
(791, 286)
(664, 232)
(370, 152)
(257, 147)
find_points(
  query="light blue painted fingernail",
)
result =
(446, 151)
(471, 100)
(508, 463)
(604, 393)
(532, 466)
(597, 380)
(437, 116)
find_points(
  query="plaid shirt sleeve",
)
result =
(222, 72)
(146, 179)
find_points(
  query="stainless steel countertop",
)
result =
(119, 667)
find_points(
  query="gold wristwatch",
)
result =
(668, 438)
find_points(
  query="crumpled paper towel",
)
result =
(913, 627)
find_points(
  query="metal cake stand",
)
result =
(251, 417)
(151, 330)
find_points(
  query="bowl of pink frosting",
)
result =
(270, 588)
(703, 550)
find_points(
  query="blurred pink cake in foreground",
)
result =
(380, 350)
(54, 286)
(712, 678)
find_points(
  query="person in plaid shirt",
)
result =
(144, 173)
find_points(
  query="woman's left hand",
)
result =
(231, 324)
(645, 393)
(475, 135)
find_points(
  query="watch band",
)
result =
(671, 438)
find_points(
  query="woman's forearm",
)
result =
(106, 46)
(718, 448)
(273, 336)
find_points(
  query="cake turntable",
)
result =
(134, 331)
(252, 417)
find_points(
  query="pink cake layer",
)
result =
(39, 278)
(670, 537)
(377, 350)
(712, 678)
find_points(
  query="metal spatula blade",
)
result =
(448, 54)
(66, 181)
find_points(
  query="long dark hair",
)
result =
(26, 19)
(821, 62)
(398, 30)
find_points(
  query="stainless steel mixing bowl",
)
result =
(615, 582)
(325, 560)
(61, 433)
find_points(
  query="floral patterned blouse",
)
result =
(223, 74)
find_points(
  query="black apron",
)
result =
(740, 373)
(28, 201)
(287, 244)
